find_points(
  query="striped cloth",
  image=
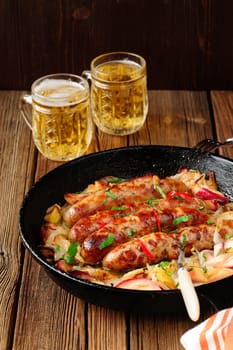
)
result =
(216, 333)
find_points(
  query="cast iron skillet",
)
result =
(122, 162)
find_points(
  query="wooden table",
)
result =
(36, 314)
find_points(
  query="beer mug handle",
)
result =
(26, 99)
(87, 75)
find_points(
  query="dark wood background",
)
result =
(187, 43)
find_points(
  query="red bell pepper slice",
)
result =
(206, 193)
(102, 224)
(145, 250)
(179, 195)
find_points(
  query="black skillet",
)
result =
(126, 163)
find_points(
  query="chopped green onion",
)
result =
(204, 268)
(119, 208)
(204, 256)
(181, 219)
(160, 190)
(110, 194)
(150, 203)
(77, 267)
(174, 231)
(184, 240)
(115, 180)
(209, 222)
(131, 233)
(57, 248)
(164, 264)
(71, 252)
(104, 201)
(201, 207)
(227, 236)
(107, 242)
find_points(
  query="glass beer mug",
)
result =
(119, 101)
(61, 123)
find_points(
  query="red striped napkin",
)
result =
(216, 333)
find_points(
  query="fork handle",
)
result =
(189, 294)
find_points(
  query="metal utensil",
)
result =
(209, 145)
(187, 290)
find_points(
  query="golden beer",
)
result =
(119, 102)
(61, 121)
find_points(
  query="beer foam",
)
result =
(59, 92)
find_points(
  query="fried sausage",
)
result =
(155, 247)
(91, 223)
(137, 189)
(144, 221)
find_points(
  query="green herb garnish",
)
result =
(204, 268)
(201, 207)
(107, 242)
(115, 180)
(57, 248)
(71, 252)
(150, 202)
(160, 190)
(184, 240)
(131, 232)
(181, 219)
(110, 194)
(77, 267)
(164, 264)
(119, 208)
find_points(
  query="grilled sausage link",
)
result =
(155, 247)
(91, 223)
(139, 224)
(137, 189)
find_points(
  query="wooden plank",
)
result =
(160, 332)
(179, 118)
(106, 329)
(48, 316)
(184, 42)
(16, 167)
(222, 102)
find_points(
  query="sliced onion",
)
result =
(222, 260)
(138, 283)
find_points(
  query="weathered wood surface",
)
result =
(34, 312)
(187, 43)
